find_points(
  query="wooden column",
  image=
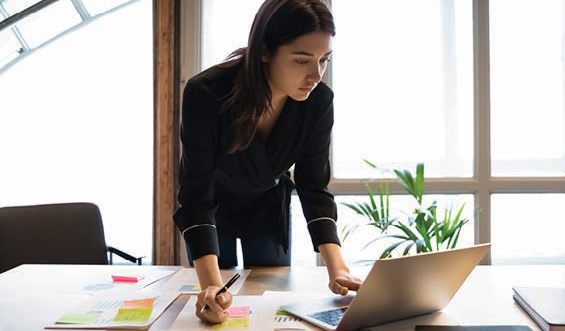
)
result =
(166, 22)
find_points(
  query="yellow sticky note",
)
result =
(240, 323)
(137, 315)
(197, 287)
(132, 304)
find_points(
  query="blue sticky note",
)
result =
(190, 288)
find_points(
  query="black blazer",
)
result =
(247, 194)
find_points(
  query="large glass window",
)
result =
(402, 77)
(528, 228)
(9, 47)
(76, 119)
(225, 28)
(41, 27)
(528, 118)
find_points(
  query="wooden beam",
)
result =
(166, 22)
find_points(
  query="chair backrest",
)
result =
(70, 233)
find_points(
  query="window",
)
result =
(402, 77)
(225, 28)
(463, 86)
(528, 122)
(76, 113)
(528, 228)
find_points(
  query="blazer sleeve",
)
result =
(195, 217)
(312, 175)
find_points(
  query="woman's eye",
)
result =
(325, 60)
(301, 61)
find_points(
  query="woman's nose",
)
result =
(315, 74)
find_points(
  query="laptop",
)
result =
(395, 289)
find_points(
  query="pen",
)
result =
(223, 289)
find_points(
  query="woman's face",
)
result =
(296, 68)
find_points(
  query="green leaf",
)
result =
(420, 246)
(406, 230)
(420, 220)
(425, 236)
(419, 182)
(456, 238)
(459, 213)
(405, 180)
(370, 193)
(459, 227)
(387, 203)
(370, 242)
(370, 164)
(365, 208)
(437, 234)
(353, 207)
(382, 237)
(387, 252)
(407, 249)
(375, 216)
(350, 229)
(384, 216)
(445, 224)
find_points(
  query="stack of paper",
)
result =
(186, 281)
(114, 310)
(122, 279)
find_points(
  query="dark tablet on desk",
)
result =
(472, 328)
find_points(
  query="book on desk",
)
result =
(545, 305)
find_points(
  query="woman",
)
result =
(245, 123)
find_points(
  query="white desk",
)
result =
(31, 296)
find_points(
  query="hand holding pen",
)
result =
(223, 289)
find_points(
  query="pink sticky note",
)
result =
(130, 279)
(235, 312)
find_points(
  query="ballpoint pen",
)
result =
(223, 289)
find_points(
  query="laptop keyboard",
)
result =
(331, 317)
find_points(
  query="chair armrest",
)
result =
(123, 255)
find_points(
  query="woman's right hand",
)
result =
(215, 313)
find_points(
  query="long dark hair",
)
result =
(278, 22)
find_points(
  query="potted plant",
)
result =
(421, 230)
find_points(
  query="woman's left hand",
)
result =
(342, 282)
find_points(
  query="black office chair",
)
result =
(70, 233)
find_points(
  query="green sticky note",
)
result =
(282, 312)
(77, 319)
(136, 315)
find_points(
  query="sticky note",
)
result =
(282, 312)
(132, 304)
(189, 288)
(128, 279)
(235, 312)
(137, 315)
(240, 323)
(77, 319)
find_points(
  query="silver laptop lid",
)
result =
(408, 286)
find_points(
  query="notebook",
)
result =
(545, 305)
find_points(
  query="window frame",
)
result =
(482, 185)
